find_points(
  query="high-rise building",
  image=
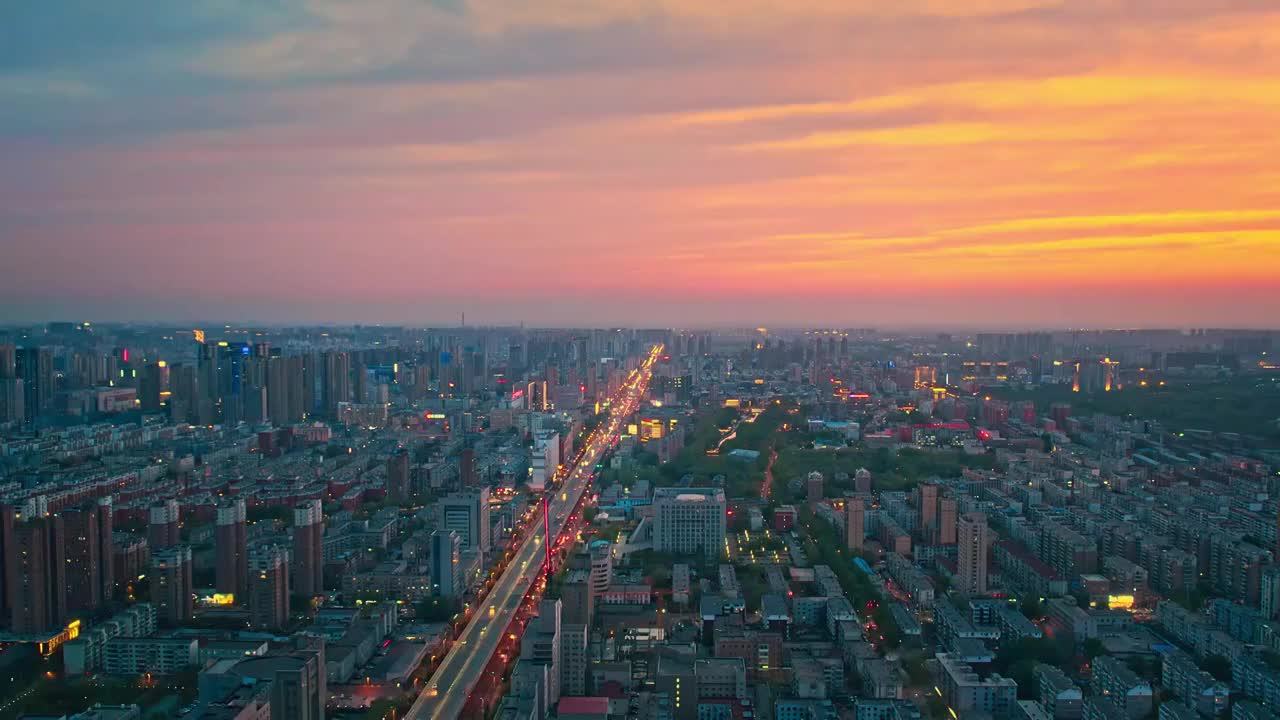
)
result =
(467, 514)
(947, 521)
(578, 598)
(34, 367)
(268, 588)
(83, 558)
(299, 689)
(151, 387)
(446, 563)
(8, 361)
(814, 487)
(12, 400)
(398, 477)
(308, 548)
(162, 531)
(337, 381)
(231, 540)
(971, 555)
(541, 645)
(573, 659)
(35, 575)
(106, 548)
(855, 516)
(928, 507)
(171, 585)
(689, 520)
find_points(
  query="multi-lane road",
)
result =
(450, 686)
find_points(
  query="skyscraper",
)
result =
(446, 563)
(12, 400)
(171, 585)
(855, 515)
(106, 548)
(337, 381)
(928, 507)
(162, 531)
(231, 573)
(83, 558)
(398, 477)
(268, 589)
(308, 548)
(467, 514)
(35, 575)
(34, 367)
(947, 521)
(971, 560)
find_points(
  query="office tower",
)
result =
(8, 361)
(814, 487)
(862, 480)
(163, 532)
(541, 645)
(578, 599)
(928, 507)
(151, 387)
(83, 558)
(278, 391)
(268, 588)
(855, 516)
(337, 381)
(34, 367)
(299, 689)
(573, 659)
(12, 401)
(601, 560)
(446, 563)
(308, 548)
(467, 513)
(295, 388)
(171, 586)
(947, 521)
(689, 520)
(971, 560)
(398, 477)
(186, 403)
(106, 548)
(231, 540)
(35, 575)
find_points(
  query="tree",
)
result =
(1031, 608)
(1217, 666)
(1093, 648)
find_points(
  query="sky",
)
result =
(969, 163)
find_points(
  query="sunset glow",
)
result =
(654, 163)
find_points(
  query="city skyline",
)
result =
(993, 164)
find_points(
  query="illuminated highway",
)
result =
(451, 685)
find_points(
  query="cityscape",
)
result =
(640, 360)
(520, 523)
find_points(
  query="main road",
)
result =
(451, 684)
